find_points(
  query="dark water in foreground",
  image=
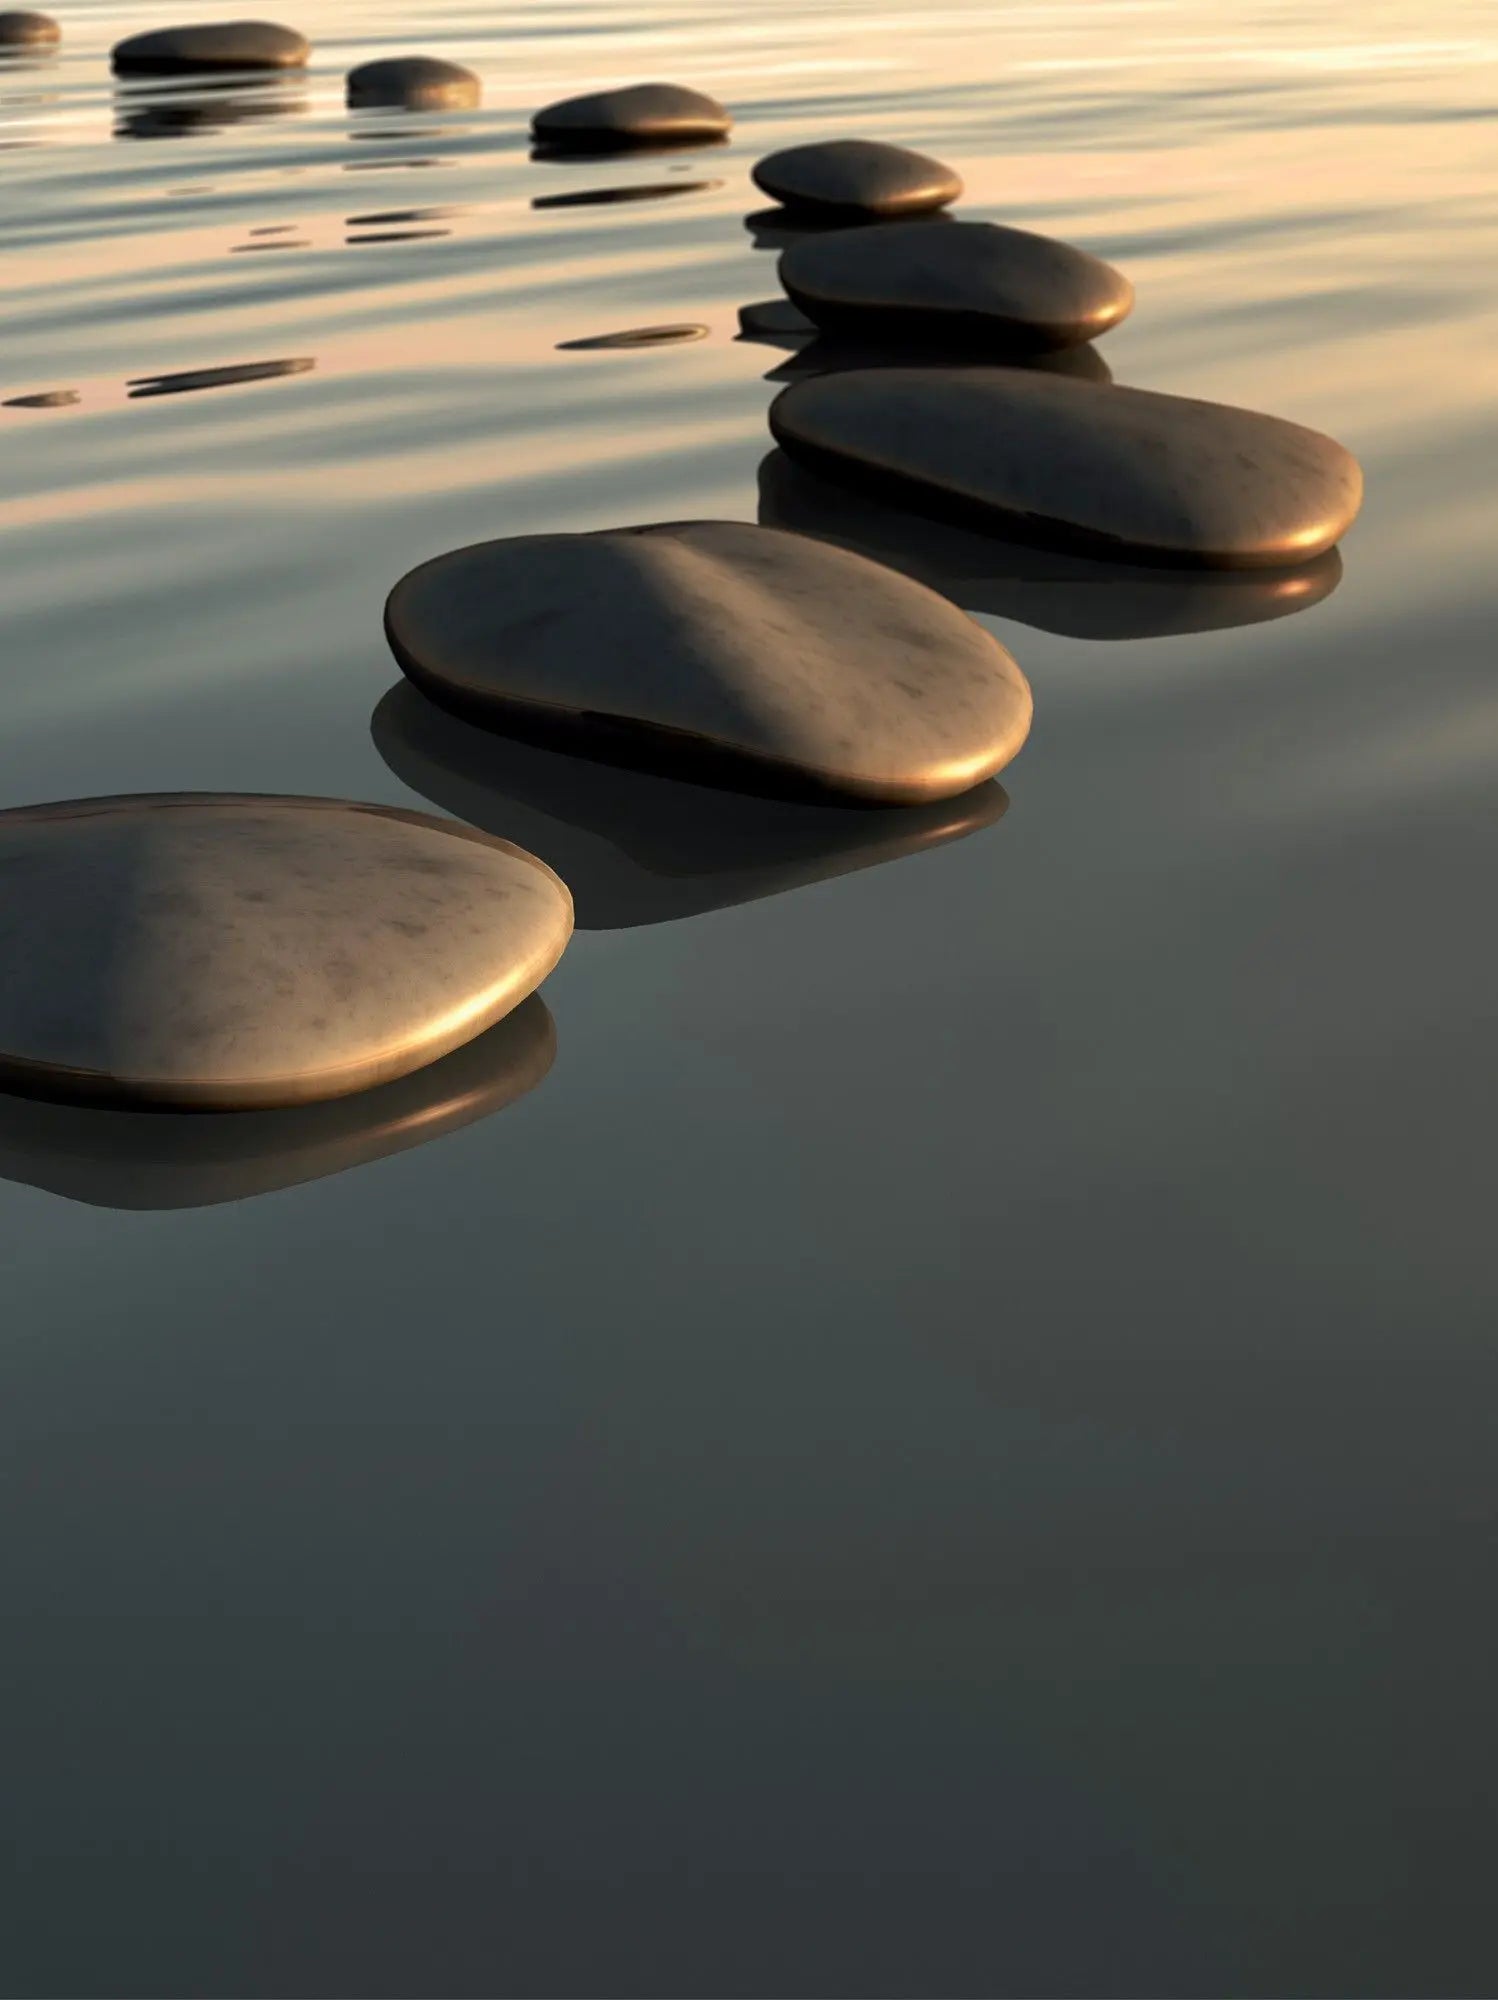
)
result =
(925, 1426)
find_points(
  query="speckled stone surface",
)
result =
(224, 951)
(638, 848)
(424, 83)
(973, 281)
(1055, 590)
(140, 1159)
(212, 45)
(1115, 471)
(22, 29)
(644, 114)
(856, 177)
(733, 650)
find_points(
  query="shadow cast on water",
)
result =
(1078, 597)
(637, 848)
(195, 1159)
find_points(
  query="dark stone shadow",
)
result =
(193, 1159)
(152, 112)
(637, 848)
(1076, 596)
(188, 381)
(835, 354)
(590, 151)
(779, 228)
(607, 196)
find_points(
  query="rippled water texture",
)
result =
(934, 1433)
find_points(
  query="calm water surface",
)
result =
(931, 1429)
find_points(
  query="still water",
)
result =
(924, 1423)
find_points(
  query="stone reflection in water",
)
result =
(779, 228)
(635, 848)
(837, 354)
(194, 1159)
(187, 380)
(641, 191)
(1051, 589)
(207, 107)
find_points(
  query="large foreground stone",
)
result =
(419, 83)
(225, 951)
(635, 847)
(212, 45)
(1111, 471)
(862, 177)
(149, 1159)
(644, 114)
(734, 651)
(22, 29)
(972, 281)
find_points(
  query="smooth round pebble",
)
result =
(423, 83)
(22, 29)
(731, 650)
(644, 114)
(971, 282)
(856, 177)
(212, 45)
(1127, 472)
(219, 951)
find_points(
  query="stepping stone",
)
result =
(24, 30)
(849, 177)
(423, 83)
(213, 45)
(211, 950)
(645, 114)
(153, 1159)
(1054, 590)
(730, 652)
(1121, 472)
(971, 281)
(637, 848)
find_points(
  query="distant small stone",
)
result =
(24, 30)
(679, 335)
(857, 177)
(422, 83)
(226, 952)
(645, 114)
(228, 45)
(44, 399)
(1109, 471)
(735, 652)
(976, 282)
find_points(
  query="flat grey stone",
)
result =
(729, 650)
(212, 45)
(638, 848)
(1123, 472)
(1054, 590)
(973, 281)
(21, 29)
(424, 83)
(644, 114)
(856, 177)
(154, 1159)
(213, 950)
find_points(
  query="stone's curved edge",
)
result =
(22, 29)
(147, 1158)
(136, 57)
(610, 738)
(1040, 530)
(58, 1083)
(418, 82)
(891, 208)
(704, 122)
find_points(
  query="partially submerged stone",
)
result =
(638, 848)
(1055, 590)
(644, 114)
(856, 177)
(227, 45)
(154, 1159)
(421, 83)
(1122, 472)
(22, 29)
(201, 949)
(997, 288)
(731, 651)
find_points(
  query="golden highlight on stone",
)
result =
(224, 951)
